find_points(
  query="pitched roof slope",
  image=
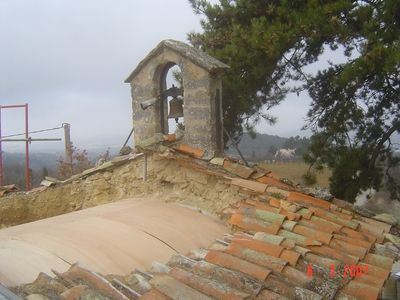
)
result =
(195, 55)
(284, 244)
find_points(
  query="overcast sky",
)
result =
(68, 60)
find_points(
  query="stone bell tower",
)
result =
(201, 94)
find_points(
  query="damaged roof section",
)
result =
(284, 244)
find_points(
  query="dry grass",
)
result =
(294, 171)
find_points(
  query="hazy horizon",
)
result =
(71, 69)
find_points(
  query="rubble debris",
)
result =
(6, 189)
(125, 150)
(249, 184)
(387, 218)
(170, 137)
(47, 183)
(219, 161)
(195, 152)
(238, 169)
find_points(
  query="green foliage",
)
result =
(355, 104)
(272, 150)
(277, 195)
(300, 144)
(265, 43)
(309, 178)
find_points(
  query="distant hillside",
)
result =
(263, 147)
(41, 165)
(259, 148)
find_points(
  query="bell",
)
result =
(175, 108)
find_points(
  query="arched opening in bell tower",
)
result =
(172, 100)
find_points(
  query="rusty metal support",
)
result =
(27, 141)
(68, 146)
(236, 147)
(27, 173)
(127, 139)
(31, 140)
(1, 155)
(145, 167)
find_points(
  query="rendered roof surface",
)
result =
(283, 244)
(112, 238)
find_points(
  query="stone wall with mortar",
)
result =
(167, 181)
(200, 114)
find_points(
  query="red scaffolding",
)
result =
(27, 177)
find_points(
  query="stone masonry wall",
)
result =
(167, 181)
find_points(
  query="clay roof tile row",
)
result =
(296, 247)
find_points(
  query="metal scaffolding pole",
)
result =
(1, 154)
(27, 141)
(27, 174)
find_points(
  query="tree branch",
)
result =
(385, 137)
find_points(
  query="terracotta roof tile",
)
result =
(308, 200)
(256, 257)
(175, 289)
(317, 225)
(322, 261)
(186, 149)
(311, 233)
(298, 277)
(378, 232)
(264, 215)
(290, 215)
(384, 226)
(379, 261)
(260, 246)
(370, 280)
(358, 235)
(345, 216)
(253, 224)
(208, 287)
(154, 294)
(260, 205)
(269, 295)
(375, 271)
(278, 286)
(275, 202)
(76, 292)
(269, 238)
(335, 254)
(354, 241)
(290, 256)
(231, 262)
(289, 225)
(274, 182)
(238, 169)
(305, 213)
(300, 239)
(249, 184)
(77, 273)
(348, 248)
(334, 218)
(361, 290)
(326, 223)
(232, 278)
